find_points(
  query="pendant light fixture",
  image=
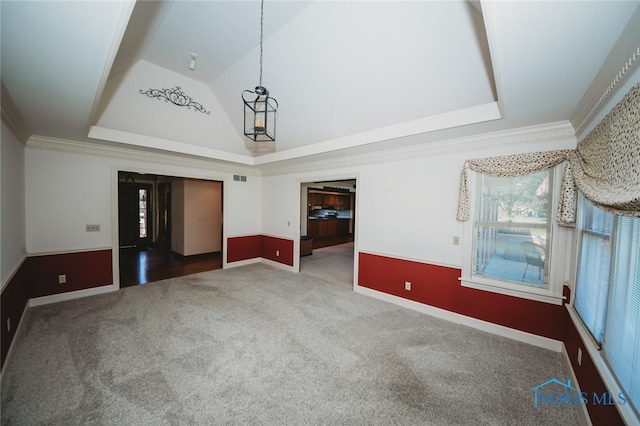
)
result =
(260, 112)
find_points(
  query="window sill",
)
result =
(539, 295)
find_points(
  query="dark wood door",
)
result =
(134, 214)
(164, 212)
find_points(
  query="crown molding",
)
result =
(547, 133)
(88, 148)
(462, 117)
(12, 118)
(614, 73)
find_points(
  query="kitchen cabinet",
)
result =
(334, 201)
(314, 199)
(343, 202)
(324, 228)
(328, 200)
(313, 228)
(342, 227)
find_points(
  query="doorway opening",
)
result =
(167, 227)
(327, 229)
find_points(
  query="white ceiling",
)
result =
(359, 75)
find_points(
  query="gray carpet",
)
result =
(262, 346)
(333, 263)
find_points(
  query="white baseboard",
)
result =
(259, 260)
(522, 336)
(277, 264)
(55, 298)
(241, 263)
(13, 341)
(574, 379)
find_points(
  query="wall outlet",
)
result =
(93, 228)
(62, 279)
(277, 252)
(407, 285)
(456, 241)
(579, 356)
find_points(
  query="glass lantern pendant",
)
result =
(259, 115)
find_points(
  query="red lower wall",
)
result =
(439, 286)
(243, 248)
(251, 247)
(15, 296)
(277, 249)
(588, 377)
(84, 270)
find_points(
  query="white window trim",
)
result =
(552, 294)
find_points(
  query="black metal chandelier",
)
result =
(260, 112)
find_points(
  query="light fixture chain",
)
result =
(261, 31)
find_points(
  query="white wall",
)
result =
(405, 208)
(65, 191)
(279, 206)
(202, 217)
(161, 119)
(12, 204)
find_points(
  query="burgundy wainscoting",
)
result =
(439, 286)
(15, 296)
(588, 377)
(84, 270)
(243, 248)
(272, 245)
(255, 246)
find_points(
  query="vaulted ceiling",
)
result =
(349, 76)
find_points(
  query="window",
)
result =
(511, 229)
(142, 213)
(608, 291)
(593, 267)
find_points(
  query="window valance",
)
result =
(505, 166)
(605, 166)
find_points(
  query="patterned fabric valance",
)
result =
(605, 166)
(505, 166)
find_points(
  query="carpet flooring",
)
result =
(262, 346)
(334, 263)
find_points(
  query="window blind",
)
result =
(622, 333)
(593, 267)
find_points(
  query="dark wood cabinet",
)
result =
(328, 200)
(335, 201)
(323, 228)
(313, 229)
(342, 227)
(343, 202)
(314, 199)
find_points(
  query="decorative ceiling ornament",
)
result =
(260, 113)
(176, 97)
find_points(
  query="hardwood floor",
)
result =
(159, 263)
